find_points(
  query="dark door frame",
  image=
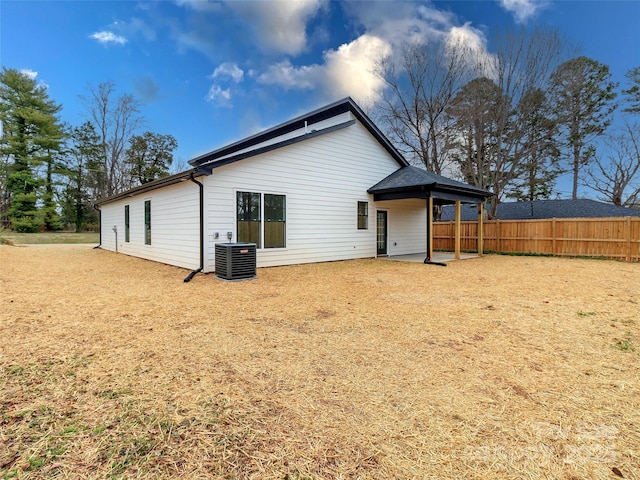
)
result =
(385, 246)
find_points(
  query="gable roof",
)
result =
(414, 182)
(240, 149)
(541, 209)
(204, 164)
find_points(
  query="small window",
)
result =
(274, 221)
(363, 215)
(147, 222)
(126, 223)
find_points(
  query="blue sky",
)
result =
(211, 72)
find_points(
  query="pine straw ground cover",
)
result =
(491, 368)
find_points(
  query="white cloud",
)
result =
(347, 71)
(106, 37)
(288, 77)
(32, 74)
(400, 22)
(228, 70)
(280, 25)
(351, 70)
(219, 96)
(29, 73)
(523, 10)
(476, 44)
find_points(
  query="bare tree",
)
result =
(522, 63)
(617, 175)
(420, 89)
(116, 120)
(476, 112)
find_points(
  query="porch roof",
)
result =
(414, 182)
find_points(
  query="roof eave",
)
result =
(147, 187)
(333, 109)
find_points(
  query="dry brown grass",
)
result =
(500, 367)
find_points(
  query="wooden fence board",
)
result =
(615, 237)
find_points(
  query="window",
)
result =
(262, 226)
(274, 221)
(363, 215)
(249, 217)
(147, 222)
(126, 223)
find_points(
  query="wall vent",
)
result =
(235, 261)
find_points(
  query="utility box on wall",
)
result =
(235, 261)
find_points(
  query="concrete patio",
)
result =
(439, 257)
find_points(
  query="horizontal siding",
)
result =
(329, 122)
(175, 226)
(407, 226)
(323, 178)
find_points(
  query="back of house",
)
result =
(298, 191)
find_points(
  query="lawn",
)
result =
(492, 368)
(14, 238)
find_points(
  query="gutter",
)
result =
(198, 270)
(97, 208)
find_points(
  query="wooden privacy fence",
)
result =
(614, 238)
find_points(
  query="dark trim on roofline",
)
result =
(341, 106)
(207, 168)
(147, 187)
(446, 191)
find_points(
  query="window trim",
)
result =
(262, 222)
(127, 223)
(364, 217)
(147, 222)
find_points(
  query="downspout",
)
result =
(97, 208)
(198, 270)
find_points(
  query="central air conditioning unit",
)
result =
(235, 261)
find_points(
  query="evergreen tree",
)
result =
(31, 135)
(583, 95)
(84, 161)
(632, 94)
(539, 167)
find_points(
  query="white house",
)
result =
(324, 186)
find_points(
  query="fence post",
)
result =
(553, 237)
(628, 235)
(457, 231)
(498, 241)
(480, 231)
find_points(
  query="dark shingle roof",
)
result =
(412, 180)
(540, 209)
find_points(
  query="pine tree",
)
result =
(32, 134)
(583, 94)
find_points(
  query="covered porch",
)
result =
(412, 182)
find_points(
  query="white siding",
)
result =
(323, 179)
(407, 226)
(175, 225)
(329, 122)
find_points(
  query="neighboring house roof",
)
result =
(541, 209)
(414, 182)
(238, 150)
